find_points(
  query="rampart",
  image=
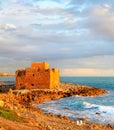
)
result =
(38, 76)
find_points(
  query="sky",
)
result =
(76, 36)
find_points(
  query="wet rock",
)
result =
(66, 108)
(51, 114)
(60, 116)
(97, 113)
(65, 117)
(110, 126)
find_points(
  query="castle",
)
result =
(38, 76)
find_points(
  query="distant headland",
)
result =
(6, 74)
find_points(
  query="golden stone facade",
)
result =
(38, 76)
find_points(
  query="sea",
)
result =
(95, 109)
(7, 80)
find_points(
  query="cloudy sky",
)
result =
(76, 36)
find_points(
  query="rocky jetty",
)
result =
(25, 98)
(65, 90)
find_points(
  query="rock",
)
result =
(110, 126)
(65, 117)
(51, 114)
(49, 128)
(66, 108)
(97, 113)
(84, 120)
(60, 116)
(1, 128)
(68, 128)
(1, 103)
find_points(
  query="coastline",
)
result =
(21, 101)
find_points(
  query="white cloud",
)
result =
(93, 62)
(100, 22)
(72, 35)
(87, 72)
(100, 10)
(7, 26)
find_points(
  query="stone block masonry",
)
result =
(38, 76)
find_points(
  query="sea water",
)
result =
(96, 109)
(7, 80)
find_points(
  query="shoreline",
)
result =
(21, 102)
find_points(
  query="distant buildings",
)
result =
(39, 75)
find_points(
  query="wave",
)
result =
(101, 108)
(89, 110)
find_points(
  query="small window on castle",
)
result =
(38, 69)
(32, 84)
(47, 70)
(53, 69)
(33, 75)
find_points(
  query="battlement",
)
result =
(39, 75)
(40, 65)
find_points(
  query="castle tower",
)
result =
(38, 76)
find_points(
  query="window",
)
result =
(38, 69)
(32, 84)
(47, 70)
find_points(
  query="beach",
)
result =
(23, 103)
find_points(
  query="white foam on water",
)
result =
(93, 112)
(101, 108)
(99, 113)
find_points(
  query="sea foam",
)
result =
(102, 108)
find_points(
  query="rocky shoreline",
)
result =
(65, 90)
(21, 101)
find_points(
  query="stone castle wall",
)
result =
(40, 65)
(38, 76)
